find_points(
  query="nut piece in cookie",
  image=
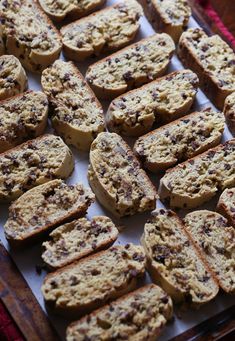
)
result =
(229, 112)
(226, 205)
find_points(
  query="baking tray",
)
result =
(217, 315)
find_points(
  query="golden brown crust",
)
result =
(226, 205)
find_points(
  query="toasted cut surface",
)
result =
(109, 29)
(77, 114)
(34, 40)
(13, 79)
(226, 205)
(58, 10)
(162, 100)
(174, 262)
(197, 180)
(216, 239)
(213, 61)
(22, 117)
(116, 178)
(131, 67)
(78, 239)
(229, 112)
(33, 163)
(170, 16)
(93, 281)
(180, 140)
(146, 310)
(44, 207)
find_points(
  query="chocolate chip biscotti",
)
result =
(131, 67)
(45, 207)
(226, 205)
(77, 115)
(174, 262)
(229, 112)
(78, 239)
(22, 117)
(93, 281)
(170, 16)
(180, 140)
(28, 34)
(197, 180)
(212, 60)
(216, 241)
(107, 30)
(116, 178)
(140, 315)
(13, 79)
(33, 163)
(163, 100)
(58, 10)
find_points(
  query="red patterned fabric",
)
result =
(210, 11)
(8, 329)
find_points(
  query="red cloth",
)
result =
(8, 329)
(217, 20)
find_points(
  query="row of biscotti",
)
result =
(37, 43)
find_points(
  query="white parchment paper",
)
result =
(28, 258)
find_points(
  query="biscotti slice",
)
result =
(74, 9)
(116, 178)
(197, 180)
(229, 112)
(13, 79)
(33, 163)
(180, 140)
(174, 262)
(216, 241)
(226, 205)
(28, 34)
(22, 117)
(163, 100)
(107, 30)
(131, 67)
(77, 115)
(44, 207)
(212, 60)
(78, 239)
(169, 16)
(140, 315)
(93, 281)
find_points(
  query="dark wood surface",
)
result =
(21, 303)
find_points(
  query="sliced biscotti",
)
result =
(174, 262)
(33, 163)
(180, 140)
(58, 10)
(197, 180)
(116, 178)
(140, 315)
(78, 239)
(212, 60)
(229, 112)
(44, 207)
(107, 30)
(131, 67)
(22, 117)
(28, 34)
(93, 281)
(13, 79)
(216, 241)
(77, 115)
(226, 205)
(169, 16)
(163, 100)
